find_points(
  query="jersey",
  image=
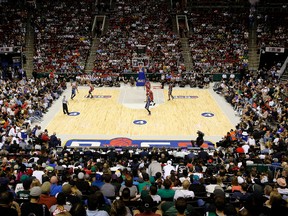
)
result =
(151, 95)
(147, 86)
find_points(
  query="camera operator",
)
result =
(200, 138)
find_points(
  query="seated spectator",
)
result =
(145, 185)
(93, 205)
(282, 186)
(276, 205)
(180, 205)
(129, 184)
(25, 193)
(61, 205)
(98, 181)
(55, 188)
(210, 187)
(71, 197)
(45, 197)
(166, 193)
(32, 207)
(235, 185)
(82, 184)
(6, 200)
(118, 208)
(148, 207)
(78, 210)
(241, 195)
(184, 192)
(108, 189)
(197, 185)
(154, 195)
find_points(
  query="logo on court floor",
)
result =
(125, 142)
(102, 96)
(185, 97)
(140, 122)
(74, 113)
(207, 114)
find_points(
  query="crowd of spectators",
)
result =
(271, 30)
(62, 35)
(23, 103)
(246, 174)
(13, 19)
(37, 170)
(139, 29)
(218, 39)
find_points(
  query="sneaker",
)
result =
(154, 104)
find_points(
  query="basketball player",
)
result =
(150, 92)
(148, 101)
(147, 85)
(170, 89)
(65, 105)
(74, 89)
(90, 91)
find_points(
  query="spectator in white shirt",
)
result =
(168, 168)
(154, 195)
(184, 192)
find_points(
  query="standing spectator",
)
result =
(168, 168)
(154, 167)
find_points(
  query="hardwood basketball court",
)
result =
(119, 112)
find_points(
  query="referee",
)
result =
(65, 105)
